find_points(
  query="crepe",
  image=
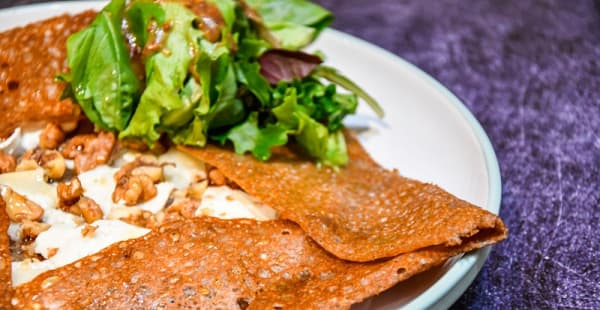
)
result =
(351, 233)
(30, 59)
(5, 278)
(210, 263)
(360, 213)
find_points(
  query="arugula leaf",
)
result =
(294, 23)
(102, 79)
(259, 141)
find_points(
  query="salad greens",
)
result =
(249, 85)
(102, 79)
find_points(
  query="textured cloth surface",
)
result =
(530, 72)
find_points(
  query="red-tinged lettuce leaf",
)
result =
(282, 65)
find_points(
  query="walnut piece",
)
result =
(52, 161)
(31, 229)
(19, 208)
(89, 209)
(52, 136)
(7, 163)
(88, 230)
(134, 189)
(89, 150)
(135, 180)
(69, 192)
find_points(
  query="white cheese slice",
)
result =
(227, 203)
(31, 185)
(22, 139)
(163, 191)
(72, 245)
(30, 137)
(185, 169)
(99, 184)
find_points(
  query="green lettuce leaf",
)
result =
(318, 142)
(294, 23)
(248, 73)
(102, 79)
(139, 16)
(166, 73)
(249, 137)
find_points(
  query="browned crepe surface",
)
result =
(360, 213)
(30, 58)
(210, 263)
(5, 268)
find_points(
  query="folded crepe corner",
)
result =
(212, 263)
(344, 235)
(362, 212)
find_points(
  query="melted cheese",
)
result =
(184, 169)
(99, 184)
(22, 139)
(227, 203)
(31, 185)
(71, 245)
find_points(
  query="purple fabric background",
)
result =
(530, 72)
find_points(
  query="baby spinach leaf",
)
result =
(102, 79)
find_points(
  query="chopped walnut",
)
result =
(68, 126)
(26, 164)
(89, 150)
(144, 164)
(161, 218)
(134, 189)
(7, 163)
(89, 209)
(215, 177)
(196, 190)
(31, 229)
(69, 192)
(139, 218)
(52, 161)
(28, 251)
(52, 136)
(135, 180)
(52, 252)
(160, 147)
(19, 208)
(186, 207)
(88, 230)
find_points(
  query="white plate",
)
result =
(428, 134)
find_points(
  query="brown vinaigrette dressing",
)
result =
(209, 22)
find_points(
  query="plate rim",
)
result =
(454, 282)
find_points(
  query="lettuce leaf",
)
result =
(243, 88)
(248, 136)
(293, 23)
(102, 79)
